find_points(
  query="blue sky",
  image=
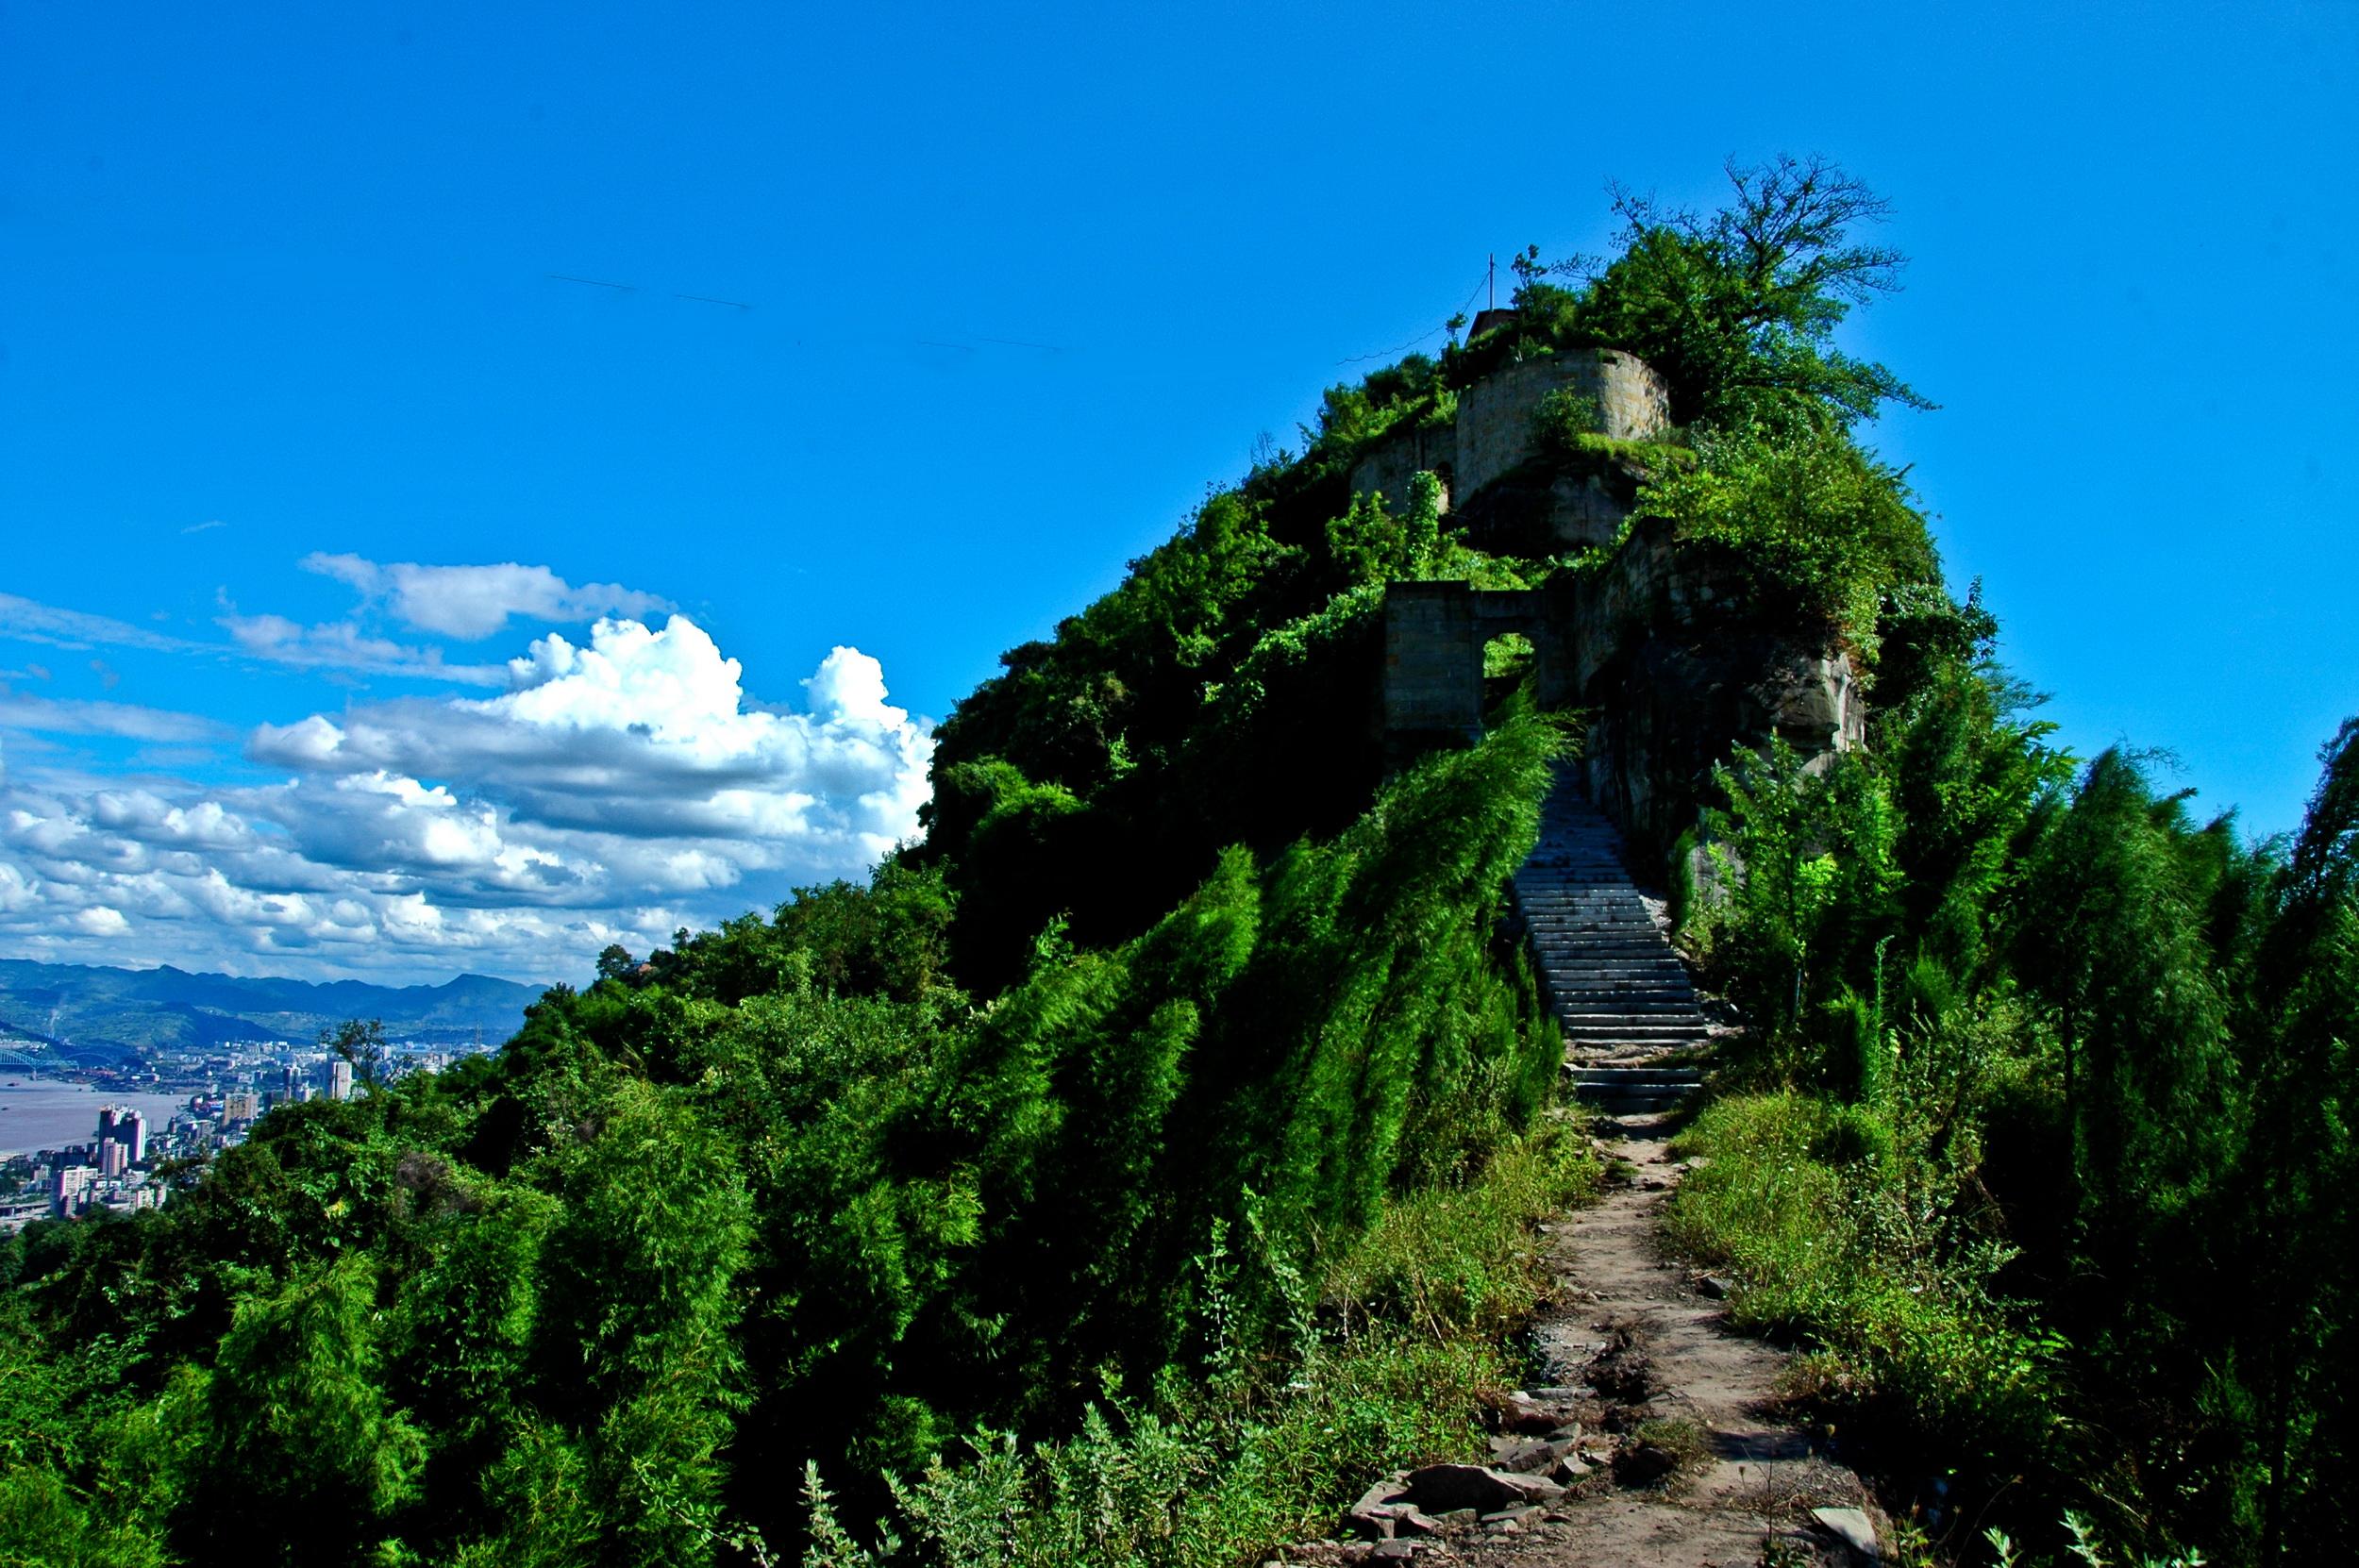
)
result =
(929, 322)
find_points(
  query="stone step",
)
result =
(1574, 978)
(1590, 998)
(1630, 1105)
(1574, 873)
(1573, 939)
(1557, 899)
(1635, 1023)
(1575, 958)
(1647, 945)
(1592, 936)
(1603, 920)
(1589, 1015)
(1636, 1026)
(1622, 999)
(1595, 1037)
(1565, 947)
(1638, 1079)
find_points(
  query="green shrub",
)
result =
(1810, 1208)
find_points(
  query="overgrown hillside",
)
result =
(1147, 1156)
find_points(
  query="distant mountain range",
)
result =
(86, 1013)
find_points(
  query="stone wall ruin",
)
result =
(1493, 438)
(1655, 645)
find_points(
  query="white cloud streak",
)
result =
(30, 621)
(342, 645)
(20, 710)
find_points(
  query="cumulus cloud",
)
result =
(616, 789)
(476, 602)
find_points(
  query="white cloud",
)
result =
(50, 715)
(342, 645)
(476, 602)
(30, 621)
(619, 788)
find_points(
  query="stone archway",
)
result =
(1435, 634)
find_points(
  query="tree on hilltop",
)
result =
(1737, 308)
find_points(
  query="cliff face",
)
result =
(1664, 645)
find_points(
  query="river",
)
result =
(47, 1113)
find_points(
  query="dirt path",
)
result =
(1758, 1478)
(1641, 1367)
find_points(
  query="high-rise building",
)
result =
(124, 1126)
(340, 1080)
(241, 1106)
(112, 1157)
(67, 1184)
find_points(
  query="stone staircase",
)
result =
(1634, 1038)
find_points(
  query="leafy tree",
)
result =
(1737, 308)
(305, 1459)
(638, 1302)
(1825, 533)
(361, 1046)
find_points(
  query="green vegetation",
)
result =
(1228, 1211)
(1133, 1166)
(2047, 1147)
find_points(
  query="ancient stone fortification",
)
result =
(1495, 415)
(1674, 675)
(1493, 434)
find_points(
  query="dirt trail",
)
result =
(1654, 1436)
(1633, 1339)
(1760, 1476)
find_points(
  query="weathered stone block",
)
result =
(1432, 659)
(1387, 468)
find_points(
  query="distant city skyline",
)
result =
(511, 485)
